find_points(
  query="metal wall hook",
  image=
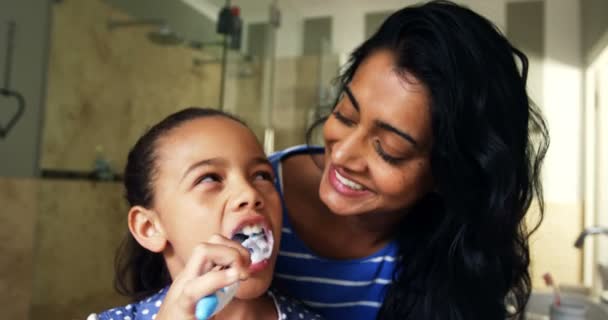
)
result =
(6, 91)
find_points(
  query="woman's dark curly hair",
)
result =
(464, 247)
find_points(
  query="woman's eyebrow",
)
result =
(351, 97)
(404, 135)
(378, 123)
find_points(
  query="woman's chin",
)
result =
(336, 203)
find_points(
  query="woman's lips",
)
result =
(342, 188)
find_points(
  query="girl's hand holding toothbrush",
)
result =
(213, 265)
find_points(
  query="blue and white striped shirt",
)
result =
(337, 289)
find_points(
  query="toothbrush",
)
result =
(551, 283)
(213, 303)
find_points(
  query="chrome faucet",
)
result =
(589, 231)
(602, 270)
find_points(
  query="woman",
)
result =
(415, 207)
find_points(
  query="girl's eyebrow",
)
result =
(221, 162)
(260, 160)
(204, 162)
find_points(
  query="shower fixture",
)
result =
(114, 24)
(164, 36)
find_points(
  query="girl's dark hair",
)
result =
(139, 272)
(464, 247)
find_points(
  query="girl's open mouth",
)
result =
(259, 241)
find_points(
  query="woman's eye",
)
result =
(209, 178)
(263, 175)
(385, 156)
(340, 117)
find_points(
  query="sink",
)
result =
(538, 305)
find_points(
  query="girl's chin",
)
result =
(252, 288)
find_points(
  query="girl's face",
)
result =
(213, 178)
(378, 142)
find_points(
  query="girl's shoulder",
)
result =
(145, 309)
(292, 309)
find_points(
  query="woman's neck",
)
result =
(376, 228)
(261, 308)
(327, 234)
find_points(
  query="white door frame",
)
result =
(595, 149)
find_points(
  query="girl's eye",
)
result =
(209, 178)
(263, 175)
(385, 156)
(340, 117)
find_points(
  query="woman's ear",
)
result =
(146, 229)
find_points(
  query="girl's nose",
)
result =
(247, 198)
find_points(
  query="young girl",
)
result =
(199, 185)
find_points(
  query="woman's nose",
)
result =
(349, 153)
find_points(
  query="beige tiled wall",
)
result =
(552, 246)
(18, 209)
(106, 86)
(79, 227)
(57, 245)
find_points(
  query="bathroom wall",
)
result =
(79, 226)
(106, 86)
(594, 27)
(57, 246)
(532, 27)
(295, 97)
(17, 222)
(19, 150)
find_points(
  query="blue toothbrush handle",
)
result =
(206, 306)
(213, 303)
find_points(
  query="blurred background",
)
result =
(82, 79)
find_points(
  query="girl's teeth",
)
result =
(252, 229)
(247, 230)
(348, 183)
(256, 229)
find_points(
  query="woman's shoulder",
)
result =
(291, 309)
(303, 149)
(297, 162)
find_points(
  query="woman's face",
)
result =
(378, 141)
(213, 178)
